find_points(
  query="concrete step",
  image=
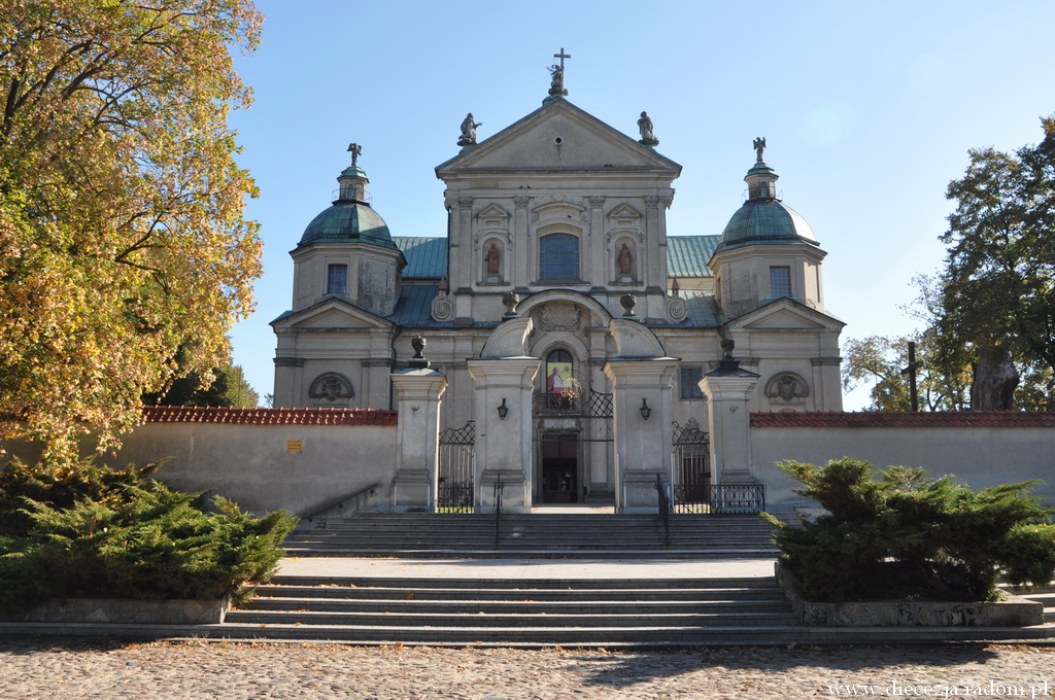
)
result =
(532, 535)
(525, 593)
(507, 610)
(509, 620)
(582, 606)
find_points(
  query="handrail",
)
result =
(499, 488)
(663, 503)
(310, 513)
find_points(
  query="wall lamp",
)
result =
(503, 410)
(646, 411)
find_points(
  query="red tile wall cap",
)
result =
(269, 416)
(866, 419)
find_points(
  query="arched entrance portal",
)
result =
(573, 433)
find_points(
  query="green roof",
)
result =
(687, 256)
(766, 221)
(347, 221)
(426, 257)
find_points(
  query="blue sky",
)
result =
(868, 110)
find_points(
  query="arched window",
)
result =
(559, 257)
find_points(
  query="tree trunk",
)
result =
(994, 385)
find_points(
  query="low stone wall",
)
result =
(123, 611)
(1010, 612)
(979, 449)
(267, 459)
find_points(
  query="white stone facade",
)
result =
(557, 264)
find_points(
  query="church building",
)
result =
(569, 346)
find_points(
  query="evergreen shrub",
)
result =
(93, 532)
(902, 535)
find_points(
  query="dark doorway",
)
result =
(560, 469)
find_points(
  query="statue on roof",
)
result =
(556, 86)
(644, 125)
(760, 145)
(468, 137)
(356, 150)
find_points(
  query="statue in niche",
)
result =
(759, 146)
(468, 137)
(644, 125)
(625, 261)
(493, 260)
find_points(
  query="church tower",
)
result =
(767, 250)
(347, 277)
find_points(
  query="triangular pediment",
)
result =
(330, 314)
(493, 215)
(786, 314)
(624, 214)
(559, 136)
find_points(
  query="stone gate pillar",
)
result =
(504, 381)
(643, 446)
(642, 377)
(728, 391)
(418, 391)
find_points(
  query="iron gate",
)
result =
(692, 471)
(457, 469)
(583, 416)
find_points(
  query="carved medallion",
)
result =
(787, 386)
(676, 309)
(331, 386)
(560, 316)
(442, 308)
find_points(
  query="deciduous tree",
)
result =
(996, 294)
(122, 232)
(880, 361)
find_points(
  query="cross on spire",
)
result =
(562, 56)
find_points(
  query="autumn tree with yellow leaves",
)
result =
(123, 237)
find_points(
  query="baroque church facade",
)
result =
(576, 346)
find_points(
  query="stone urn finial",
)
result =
(510, 301)
(419, 361)
(628, 302)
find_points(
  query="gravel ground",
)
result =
(44, 669)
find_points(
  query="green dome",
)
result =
(765, 221)
(348, 221)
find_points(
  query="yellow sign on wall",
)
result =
(294, 446)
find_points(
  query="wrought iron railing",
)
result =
(575, 401)
(355, 500)
(663, 504)
(692, 498)
(455, 498)
(499, 488)
(733, 499)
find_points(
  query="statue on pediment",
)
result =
(644, 125)
(468, 137)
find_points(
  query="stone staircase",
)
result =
(512, 612)
(524, 535)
